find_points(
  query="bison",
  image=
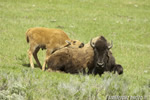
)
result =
(96, 57)
(49, 39)
(103, 58)
(108, 63)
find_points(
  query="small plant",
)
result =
(115, 85)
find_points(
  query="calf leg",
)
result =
(48, 53)
(36, 57)
(30, 54)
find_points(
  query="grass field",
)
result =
(126, 22)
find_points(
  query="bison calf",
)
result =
(49, 39)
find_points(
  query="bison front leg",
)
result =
(31, 51)
(36, 57)
(30, 58)
(48, 54)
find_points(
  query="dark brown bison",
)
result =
(94, 56)
(103, 58)
(109, 64)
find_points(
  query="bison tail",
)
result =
(27, 38)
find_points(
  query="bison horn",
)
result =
(111, 45)
(92, 44)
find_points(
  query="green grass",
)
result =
(125, 22)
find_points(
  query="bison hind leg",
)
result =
(56, 64)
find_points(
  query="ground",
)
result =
(126, 23)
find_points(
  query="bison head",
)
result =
(101, 49)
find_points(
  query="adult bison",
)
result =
(103, 58)
(94, 56)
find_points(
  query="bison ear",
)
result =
(68, 42)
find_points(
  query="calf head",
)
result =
(75, 44)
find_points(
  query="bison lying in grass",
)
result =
(94, 56)
(49, 39)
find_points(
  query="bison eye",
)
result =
(74, 41)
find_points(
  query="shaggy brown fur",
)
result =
(109, 65)
(76, 60)
(49, 39)
(103, 58)
(71, 60)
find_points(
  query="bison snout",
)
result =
(101, 64)
(81, 45)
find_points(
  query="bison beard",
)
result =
(109, 65)
(96, 57)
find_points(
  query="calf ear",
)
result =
(68, 42)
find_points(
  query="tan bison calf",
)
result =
(49, 39)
